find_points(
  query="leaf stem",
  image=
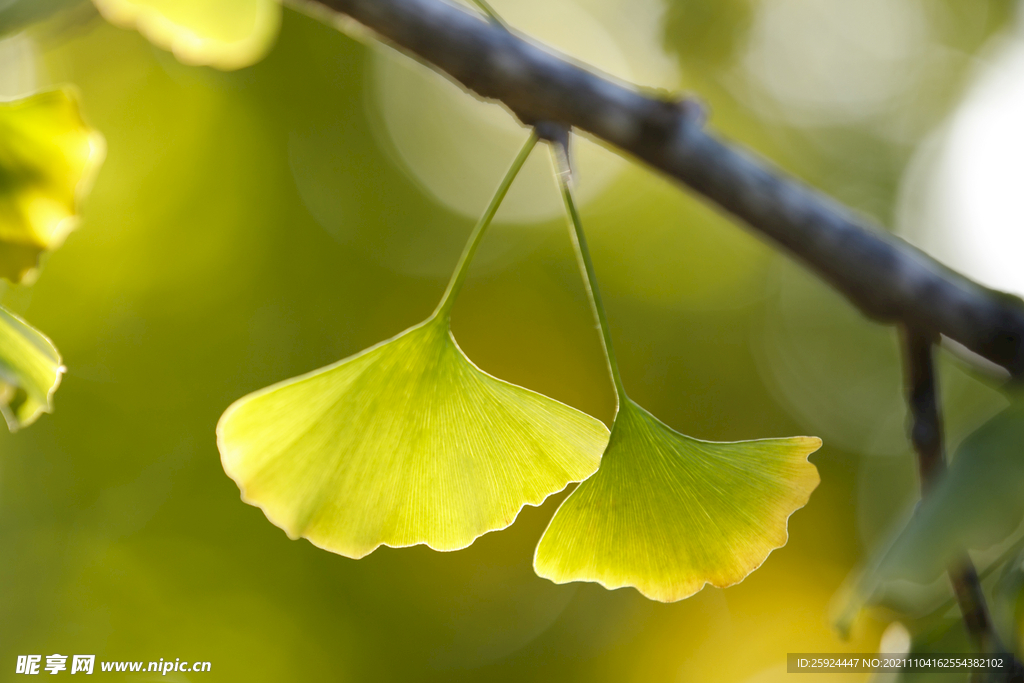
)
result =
(491, 14)
(444, 309)
(579, 240)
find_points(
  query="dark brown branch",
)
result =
(889, 280)
(923, 401)
(926, 435)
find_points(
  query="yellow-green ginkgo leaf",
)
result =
(30, 371)
(407, 442)
(48, 157)
(667, 514)
(227, 34)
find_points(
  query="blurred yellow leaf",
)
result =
(407, 442)
(667, 513)
(30, 371)
(48, 157)
(227, 34)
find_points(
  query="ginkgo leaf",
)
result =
(30, 371)
(976, 504)
(227, 34)
(407, 442)
(48, 157)
(667, 513)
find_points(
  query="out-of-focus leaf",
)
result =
(48, 157)
(227, 34)
(667, 513)
(407, 442)
(30, 371)
(1006, 597)
(978, 503)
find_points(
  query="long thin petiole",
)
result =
(579, 240)
(489, 11)
(444, 309)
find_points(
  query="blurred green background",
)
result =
(250, 226)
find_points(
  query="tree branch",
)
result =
(886, 278)
(926, 436)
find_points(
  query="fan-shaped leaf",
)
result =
(407, 442)
(48, 157)
(666, 513)
(977, 504)
(30, 371)
(227, 34)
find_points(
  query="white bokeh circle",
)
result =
(962, 198)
